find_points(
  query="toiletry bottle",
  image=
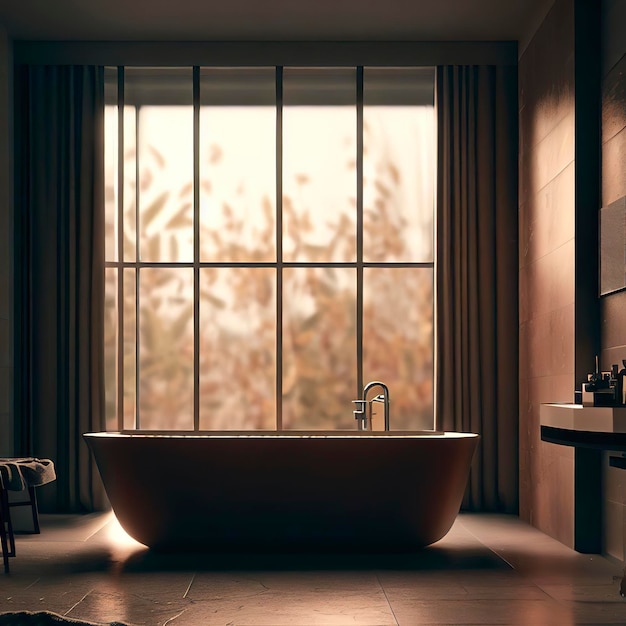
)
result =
(621, 384)
(588, 390)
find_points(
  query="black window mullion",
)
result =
(279, 248)
(196, 248)
(120, 248)
(359, 228)
(137, 274)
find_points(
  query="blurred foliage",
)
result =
(237, 339)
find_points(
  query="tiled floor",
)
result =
(487, 570)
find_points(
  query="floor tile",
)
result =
(489, 569)
(598, 613)
(69, 527)
(103, 606)
(315, 597)
(275, 609)
(584, 593)
(526, 612)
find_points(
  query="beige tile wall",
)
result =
(547, 262)
(547, 240)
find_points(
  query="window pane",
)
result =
(237, 348)
(319, 164)
(130, 184)
(398, 164)
(130, 349)
(237, 164)
(398, 342)
(110, 164)
(166, 348)
(319, 348)
(163, 99)
(110, 348)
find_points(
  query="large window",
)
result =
(269, 246)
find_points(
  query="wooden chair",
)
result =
(26, 483)
(7, 540)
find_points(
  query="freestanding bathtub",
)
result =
(339, 490)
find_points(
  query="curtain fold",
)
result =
(59, 278)
(477, 274)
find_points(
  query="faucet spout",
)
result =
(383, 397)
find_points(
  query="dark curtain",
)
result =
(477, 274)
(59, 275)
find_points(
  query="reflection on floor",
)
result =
(488, 570)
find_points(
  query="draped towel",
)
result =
(19, 474)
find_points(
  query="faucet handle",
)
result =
(360, 407)
(359, 413)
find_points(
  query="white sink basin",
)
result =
(605, 419)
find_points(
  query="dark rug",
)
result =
(46, 618)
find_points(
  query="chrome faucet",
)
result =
(365, 421)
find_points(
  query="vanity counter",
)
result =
(600, 427)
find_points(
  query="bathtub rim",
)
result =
(282, 434)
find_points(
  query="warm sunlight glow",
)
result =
(119, 537)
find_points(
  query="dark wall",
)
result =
(6, 242)
(613, 306)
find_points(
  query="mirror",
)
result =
(613, 247)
